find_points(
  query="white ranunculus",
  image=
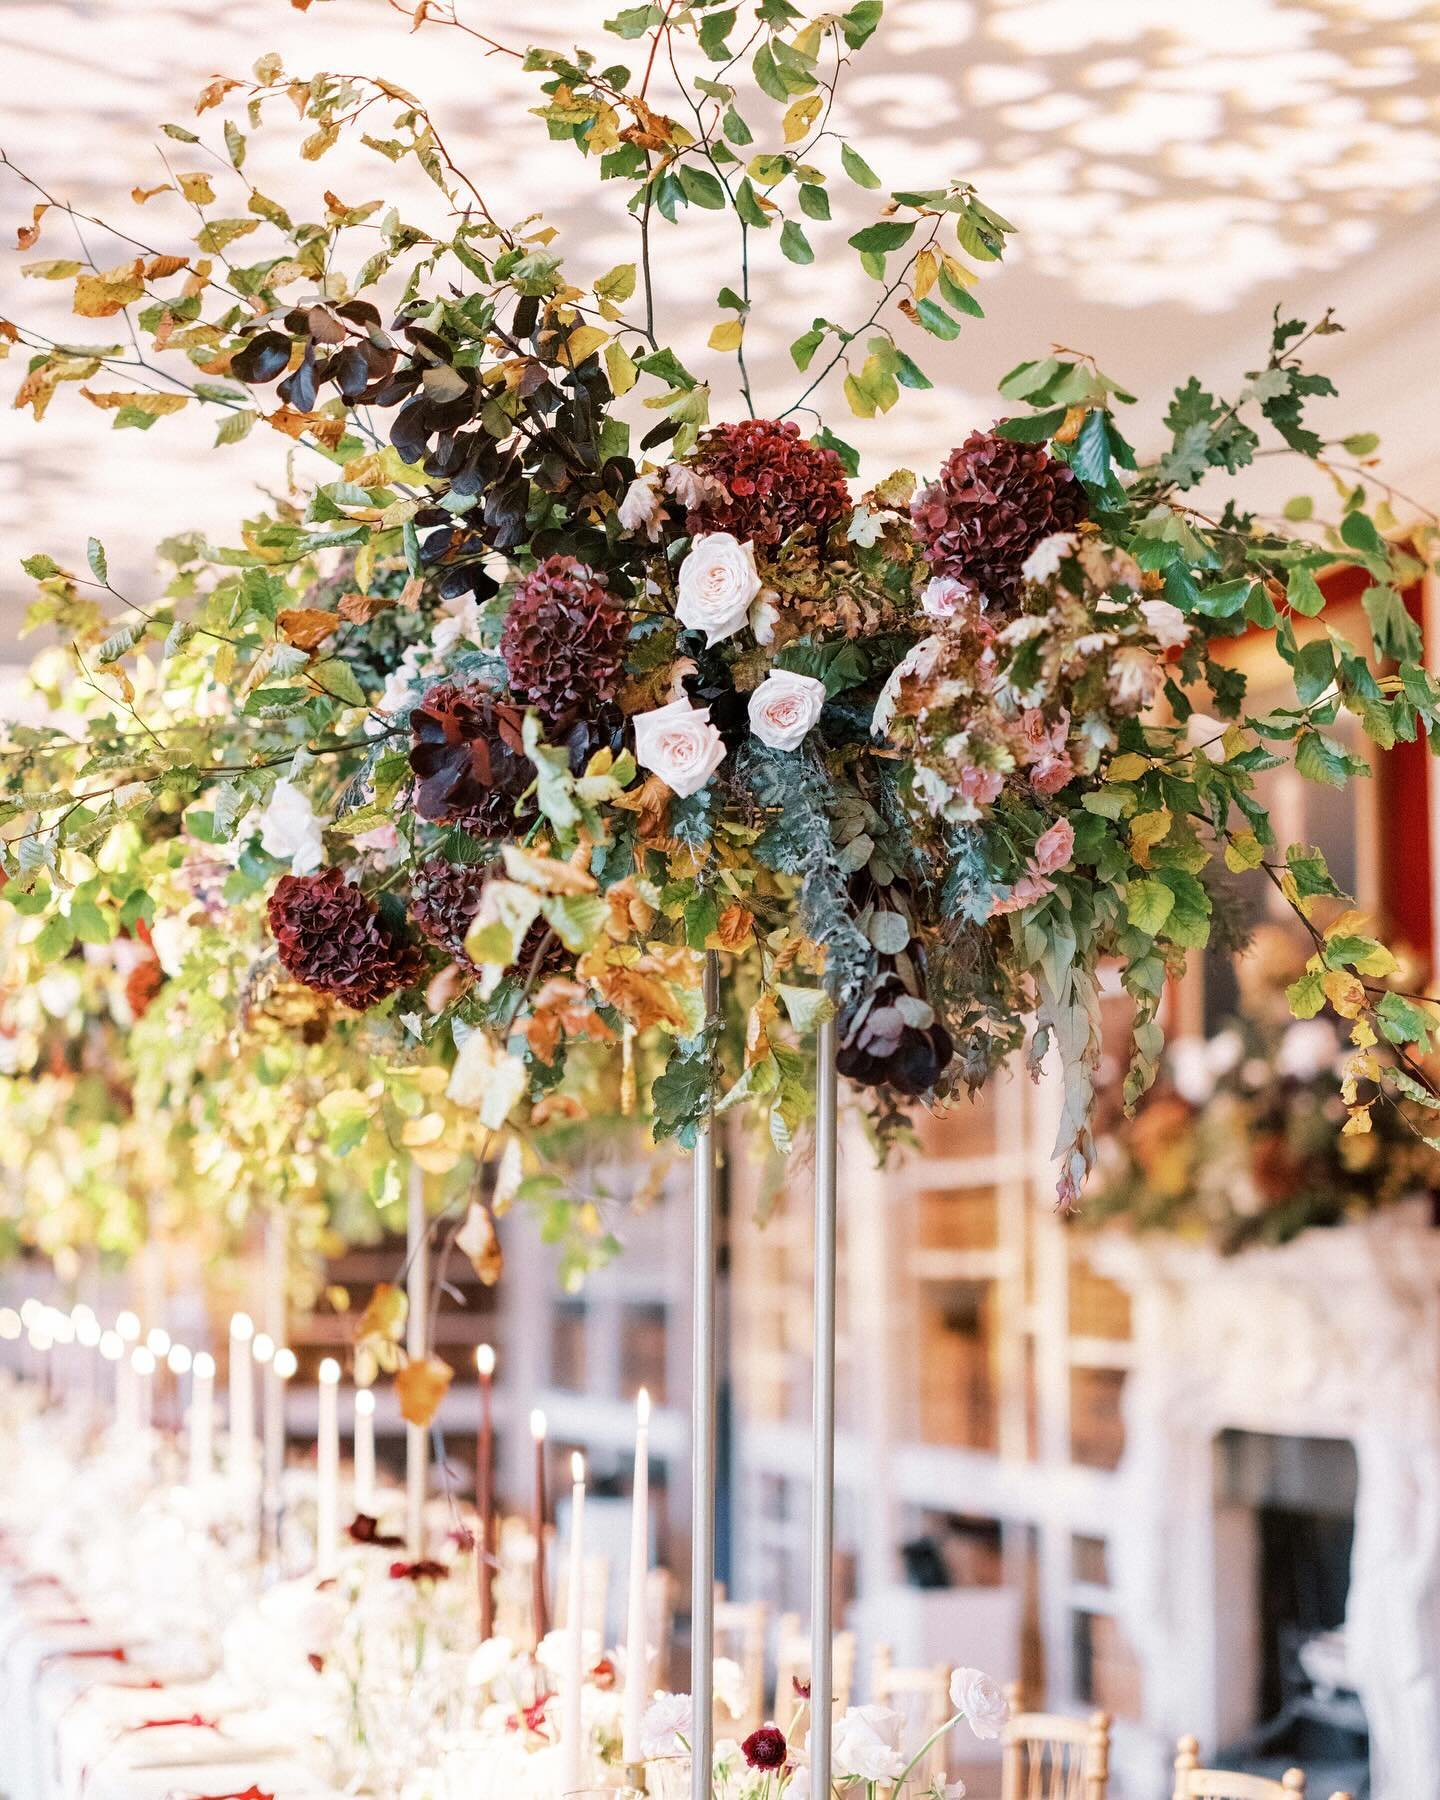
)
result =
(943, 596)
(718, 580)
(290, 830)
(918, 660)
(679, 744)
(1165, 623)
(668, 1726)
(980, 1701)
(867, 1744)
(784, 707)
(642, 508)
(489, 1661)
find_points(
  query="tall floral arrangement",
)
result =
(540, 682)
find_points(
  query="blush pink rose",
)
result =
(1055, 847)
(982, 786)
(1051, 772)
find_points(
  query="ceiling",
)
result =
(1173, 172)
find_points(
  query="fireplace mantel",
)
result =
(1336, 1334)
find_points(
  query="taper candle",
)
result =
(202, 1418)
(573, 1682)
(485, 1492)
(327, 1470)
(539, 1611)
(365, 1451)
(240, 1450)
(637, 1647)
(142, 1361)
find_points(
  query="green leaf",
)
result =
(735, 128)
(856, 167)
(802, 351)
(1319, 758)
(700, 187)
(338, 680)
(936, 320)
(795, 244)
(1303, 592)
(1357, 529)
(1361, 443)
(1225, 599)
(575, 918)
(749, 208)
(56, 939)
(814, 201)
(1395, 633)
(1307, 995)
(883, 236)
(1314, 670)
(1401, 1021)
(714, 29)
(860, 22)
(95, 556)
(807, 1007)
(1148, 904)
(39, 568)
(635, 21)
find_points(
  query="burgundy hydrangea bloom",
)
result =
(335, 940)
(426, 1569)
(989, 507)
(777, 483)
(468, 756)
(766, 1748)
(564, 640)
(444, 899)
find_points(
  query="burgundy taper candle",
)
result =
(539, 1609)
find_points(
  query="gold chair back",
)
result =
(923, 1696)
(792, 1666)
(1047, 1756)
(1194, 1783)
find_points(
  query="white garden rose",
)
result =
(867, 1744)
(290, 830)
(1167, 624)
(679, 744)
(943, 596)
(668, 1725)
(980, 1701)
(784, 707)
(718, 580)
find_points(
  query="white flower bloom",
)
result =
(60, 990)
(1190, 1073)
(729, 1685)
(1165, 623)
(290, 830)
(867, 1744)
(1308, 1050)
(864, 527)
(1135, 678)
(718, 580)
(1205, 736)
(668, 1726)
(980, 1701)
(460, 621)
(919, 660)
(943, 596)
(679, 744)
(784, 707)
(642, 508)
(1045, 559)
(489, 1661)
(764, 616)
(172, 940)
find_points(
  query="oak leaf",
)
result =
(480, 1242)
(420, 1387)
(306, 627)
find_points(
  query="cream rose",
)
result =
(784, 707)
(867, 1744)
(718, 580)
(679, 744)
(980, 1701)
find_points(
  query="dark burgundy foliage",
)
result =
(467, 752)
(426, 1569)
(778, 484)
(988, 508)
(334, 939)
(365, 1530)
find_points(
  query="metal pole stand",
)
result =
(822, 1485)
(702, 1438)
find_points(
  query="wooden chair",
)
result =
(1046, 1756)
(792, 1664)
(740, 1631)
(923, 1697)
(1194, 1783)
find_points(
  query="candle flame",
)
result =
(204, 1366)
(642, 1407)
(157, 1342)
(537, 1426)
(112, 1346)
(365, 1402)
(179, 1361)
(285, 1364)
(485, 1359)
(577, 1468)
(128, 1326)
(263, 1347)
(242, 1328)
(142, 1361)
(330, 1371)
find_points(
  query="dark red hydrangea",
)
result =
(444, 899)
(766, 1748)
(777, 484)
(467, 752)
(564, 640)
(988, 508)
(334, 939)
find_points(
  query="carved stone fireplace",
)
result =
(1336, 1337)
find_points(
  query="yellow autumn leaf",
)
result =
(1344, 993)
(800, 115)
(927, 272)
(1146, 830)
(547, 874)
(583, 342)
(420, 1387)
(100, 296)
(620, 368)
(1357, 1124)
(1244, 851)
(1350, 923)
(1362, 1033)
(197, 189)
(618, 285)
(427, 1129)
(727, 335)
(1129, 767)
(155, 405)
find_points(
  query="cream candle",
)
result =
(485, 1492)
(539, 1611)
(572, 1724)
(365, 1451)
(637, 1649)
(327, 1469)
(142, 1361)
(240, 1451)
(202, 1419)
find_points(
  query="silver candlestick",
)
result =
(702, 1434)
(822, 1489)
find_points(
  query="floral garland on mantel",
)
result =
(546, 683)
